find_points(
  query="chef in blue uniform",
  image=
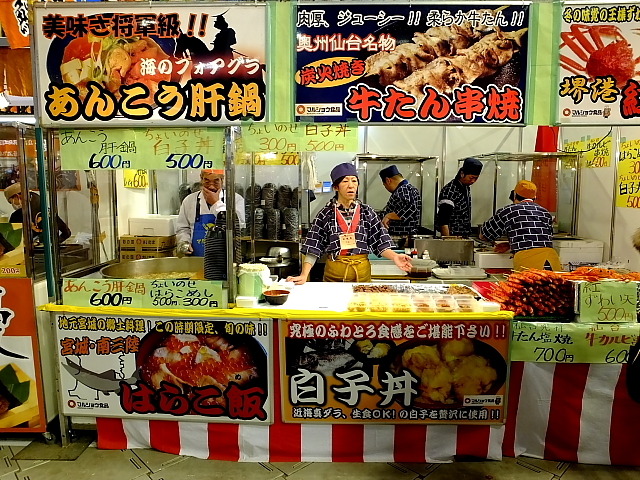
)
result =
(454, 201)
(403, 210)
(199, 210)
(347, 230)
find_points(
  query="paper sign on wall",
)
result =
(608, 302)
(300, 137)
(628, 182)
(597, 152)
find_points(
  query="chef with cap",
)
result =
(402, 212)
(529, 228)
(347, 230)
(454, 201)
(199, 209)
(13, 194)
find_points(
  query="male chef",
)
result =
(199, 210)
(403, 210)
(454, 201)
(529, 228)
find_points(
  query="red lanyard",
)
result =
(342, 223)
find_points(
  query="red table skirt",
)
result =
(577, 413)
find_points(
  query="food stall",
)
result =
(124, 344)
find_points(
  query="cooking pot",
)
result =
(146, 266)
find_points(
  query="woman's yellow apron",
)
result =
(348, 268)
(538, 258)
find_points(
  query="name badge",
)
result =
(347, 241)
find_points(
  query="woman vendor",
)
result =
(347, 230)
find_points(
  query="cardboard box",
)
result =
(132, 255)
(141, 243)
(579, 252)
(153, 225)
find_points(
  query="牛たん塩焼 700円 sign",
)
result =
(411, 63)
(142, 148)
(139, 64)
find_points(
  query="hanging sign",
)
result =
(385, 371)
(404, 62)
(144, 293)
(136, 178)
(21, 389)
(14, 19)
(598, 52)
(300, 137)
(185, 369)
(572, 342)
(137, 64)
(628, 183)
(598, 153)
(608, 302)
(142, 148)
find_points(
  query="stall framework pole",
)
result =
(616, 159)
(51, 257)
(230, 181)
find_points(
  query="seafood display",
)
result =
(534, 293)
(449, 370)
(189, 361)
(407, 303)
(113, 62)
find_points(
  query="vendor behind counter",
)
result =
(347, 230)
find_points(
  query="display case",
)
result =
(423, 172)
(555, 174)
(276, 207)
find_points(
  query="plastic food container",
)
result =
(466, 303)
(423, 303)
(379, 303)
(401, 302)
(358, 303)
(445, 304)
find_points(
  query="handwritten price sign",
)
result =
(628, 183)
(608, 302)
(143, 293)
(598, 152)
(300, 137)
(141, 148)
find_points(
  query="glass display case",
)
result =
(276, 208)
(423, 172)
(555, 174)
(86, 201)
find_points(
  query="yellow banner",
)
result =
(628, 182)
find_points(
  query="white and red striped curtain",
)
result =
(577, 413)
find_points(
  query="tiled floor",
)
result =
(96, 464)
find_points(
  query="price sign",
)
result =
(141, 148)
(300, 137)
(608, 302)
(136, 178)
(628, 182)
(572, 342)
(597, 152)
(144, 293)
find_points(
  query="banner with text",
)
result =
(572, 342)
(144, 293)
(186, 369)
(142, 148)
(21, 389)
(597, 67)
(130, 64)
(408, 62)
(386, 371)
(300, 137)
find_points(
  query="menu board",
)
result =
(608, 302)
(628, 181)
(150, 63)
(142, 148)
(144, 293)
(150, 367)
(386, 371)
(573, 342)
(598, 50)
(404, 62)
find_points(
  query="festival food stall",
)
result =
(335, 373)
